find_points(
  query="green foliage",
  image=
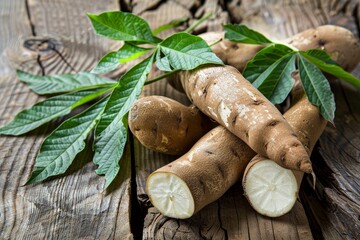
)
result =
(180, 51)
(183, 51)
(122, 26)
(276, 81)
(243, 34)
(63, 82)
(270, 70)
(112, 60)
(47, 110)
(109, 148)
(61, 147)
(324, 62)
(264, 59)
(317, 88)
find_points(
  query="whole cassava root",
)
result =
(201, 176)
(280, 193)
(223, 94)
(165, 125)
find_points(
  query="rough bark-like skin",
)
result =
(338, 42)
(222, 93)
(212, 166)
(165, 125)
(306, 121)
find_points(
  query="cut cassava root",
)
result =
(184, 186)
(223, 94)
(308, 123)
(271, 189)
(165, 125)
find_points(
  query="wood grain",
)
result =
(53, 37)
(50, 37)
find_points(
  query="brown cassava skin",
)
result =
(338, 42)
(306, 121)
(223, 94)
(165, 125)
(212, 165)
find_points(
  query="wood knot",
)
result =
(42, 45)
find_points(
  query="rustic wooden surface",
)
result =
(49, 37)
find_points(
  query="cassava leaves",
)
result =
(47, 110)
(275, 83)
(242, 34)
(122, 26)
(63, 82)
(112, 60)
(110, 133)
(324, 62)
(317, 88)
(264, 59)
(109, 149)
(183, 51)
(60, 148)
(125, 94)
(169, 25)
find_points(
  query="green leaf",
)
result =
(47, 110)
(162, 62)
(184, 52)
(317, 88)
(263, 59)
(122, 26)
(110, 134)
(319, 55)
(242, 34)
(323, 61)
(169, 25)
(276, 82)
(125, 94)
(63, 82)
(112, 60)
(109, 149)
(61, 147)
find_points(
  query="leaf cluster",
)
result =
(107, 117)
(271, 70)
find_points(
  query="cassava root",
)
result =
(167, 126)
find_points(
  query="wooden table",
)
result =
(51, 37)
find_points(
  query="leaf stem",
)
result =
(198, 22)
(172, 24)
(155, 79)
(216, 42)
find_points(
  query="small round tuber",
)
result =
(165, 125)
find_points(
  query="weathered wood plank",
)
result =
(75, 205)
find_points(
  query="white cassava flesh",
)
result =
(271, 189)
(170, 195)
